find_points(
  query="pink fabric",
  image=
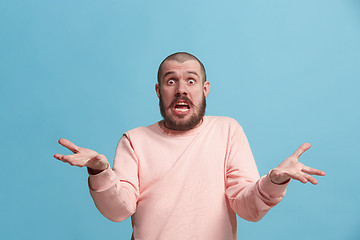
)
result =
(178, 185)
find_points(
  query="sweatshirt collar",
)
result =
(178, 133)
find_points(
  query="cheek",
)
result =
(166, 96)
(197, 95)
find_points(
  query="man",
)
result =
(187, 176)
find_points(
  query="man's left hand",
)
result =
(291, 168)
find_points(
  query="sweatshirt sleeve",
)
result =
(250, 196)
(115, 191)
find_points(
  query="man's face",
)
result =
(182, 94)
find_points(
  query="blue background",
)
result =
(287, 70)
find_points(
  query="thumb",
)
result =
(304, 147)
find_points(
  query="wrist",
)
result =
(281, 183)
(278, 178)
(97, 171)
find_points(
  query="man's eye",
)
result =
(171, 81)
(191, 81)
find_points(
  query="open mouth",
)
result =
(181, 107)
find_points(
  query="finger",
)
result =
(311, 179)
(63, 158)
(299, 177)
(312, 171)
(58, 156)
(74, 160)
(69, 145)
(302, 149)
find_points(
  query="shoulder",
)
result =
(224, 121)
(224, 126)
(143, 132)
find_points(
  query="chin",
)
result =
(182, 123)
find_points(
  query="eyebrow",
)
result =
(193, 73)
(168, 73)
(190, 72)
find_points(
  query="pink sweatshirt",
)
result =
(184, 185)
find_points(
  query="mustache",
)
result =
(181, 98)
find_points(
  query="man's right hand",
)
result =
(83, 157)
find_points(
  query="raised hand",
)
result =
(82, 157)
(292, 168)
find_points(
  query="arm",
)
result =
(115, 194)
(250, 196)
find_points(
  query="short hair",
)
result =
(181, 57)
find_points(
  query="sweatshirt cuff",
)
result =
(102, 180)
(272, 189)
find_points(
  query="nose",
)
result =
(181, 89)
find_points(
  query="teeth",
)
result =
(181, 110)
(181, 103)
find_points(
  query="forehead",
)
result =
(178, 67)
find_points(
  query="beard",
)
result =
(177, 123)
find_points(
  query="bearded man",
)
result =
(187, 176)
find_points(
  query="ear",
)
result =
(206, 88)
(157, 89)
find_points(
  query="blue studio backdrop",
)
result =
(288, 71)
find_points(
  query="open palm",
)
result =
(82, 156)
(291, 168)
